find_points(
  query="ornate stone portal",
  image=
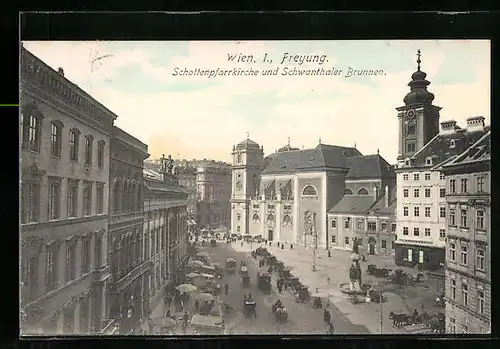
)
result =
(355, 270)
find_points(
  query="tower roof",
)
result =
(247, 144)
(287, 147)
(418, 87)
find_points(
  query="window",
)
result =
(480, 302)
(416, 193)
(31, 128)
(427, 211)
(100, 154)
(29, 277)
(85, 256)
(405, 193)
(427, 176)
(442, 176)
(463, 218)
(480, 259)
(410, 127)
(416, 211)
(360, 225)
(427, 192)
(465, 294)
(88, 150)
(442, 192)
(54, 195)
(257, 206)
(360, 241)
(98, 251)
(383, 226)
(51, 269)
(442, 234)
(270, 218)
(372, 226)
(70, 261)
(348, 192)
(405, 177)
(347, 223)
(100, 198)
(416, 231)
(255, 217)
(427, 232)
(55, 139)
(453, 289)
(346, 240)
(394, 226)
(384, 244)
(238, 160)
(452, 143)
(452, 218)
(362, 191)
(392, 245)
(463, 185)
(405, 211)
(238, 229)
(410, 147)
(30, 192)
(334, 223)
(416, 176)
(463, 255)
(480, 184)
(453, 252)
(405, 230)
(333, 239)
(428, 161)
(309, 190)
(442, 212)
(73, 144)
(452, 186)
(87, 198)
(72, 198)
(480, 219)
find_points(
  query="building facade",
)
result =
(213, 182)
(64, 174)
(423, 150)
(129, 267)
(165, 231)
(468, 240)
(187, 178)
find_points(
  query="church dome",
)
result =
(247, 144)
(418, 87)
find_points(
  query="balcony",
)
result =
(121, 217)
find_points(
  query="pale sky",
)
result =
(201, 117)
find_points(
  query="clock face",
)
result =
(239, 185)
(410, 114)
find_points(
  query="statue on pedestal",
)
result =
(355, 270)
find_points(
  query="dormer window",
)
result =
(428, 161)
(407, 162)
(452, 143)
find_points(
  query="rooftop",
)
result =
(479, 151)
(353, 204)
(369, 166)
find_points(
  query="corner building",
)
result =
(468, 241)
(64, 174)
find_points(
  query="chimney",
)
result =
(60, 71)
(475, 123)
(386, 196)
(448, 127)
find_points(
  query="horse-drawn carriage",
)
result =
(243, 269)
(434, 322)
(399, 277)
(249, 306)
(213, 243)
(245, 280)
(280, 312)
(207, 324)
(372, 269)
(230, 265)
(284, 273)
(264, 281)
(261, 251)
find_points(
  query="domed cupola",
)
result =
(247, 144)
(418, 87)
(287, 147)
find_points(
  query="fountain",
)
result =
(354, 286)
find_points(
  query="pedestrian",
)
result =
(167, 313)
(329, 254)
(185, 321)
(326, 317)
(196, 305)
(282, 247)
(328, 280)
(226, 289)
(285, 285)
(279, 288)
(291, 246)
(331, 329)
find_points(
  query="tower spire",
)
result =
(418, 59)
(288, 141)
(248, 135)
(319, 140)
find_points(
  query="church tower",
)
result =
(245, 179)
(418, 119)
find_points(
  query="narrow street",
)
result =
(303, 319)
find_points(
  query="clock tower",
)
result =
(418, 119)
(245, 179)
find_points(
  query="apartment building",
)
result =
(64, 174)
(468, 240)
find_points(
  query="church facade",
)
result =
(286, 196)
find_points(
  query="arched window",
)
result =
(362, 191)
(410, 127)
(55, 138)
(132, 198)
(116, 197)
(309, 190)
(287, 220)
(238, 160)
(348, 192)
(31, 130)
(255, 217)
(270, 218)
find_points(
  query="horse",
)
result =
(281, 314)
(399, 320)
